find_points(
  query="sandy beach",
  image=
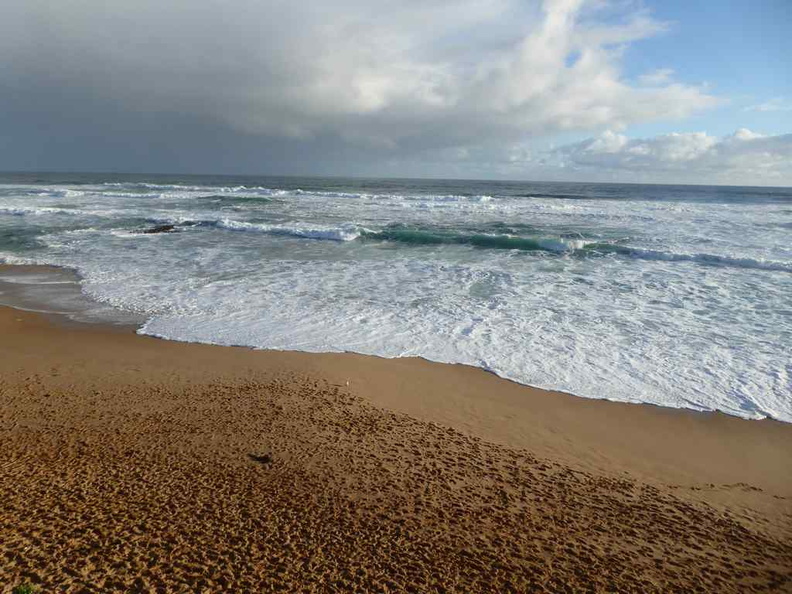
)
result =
(132, 464)
(445, 297)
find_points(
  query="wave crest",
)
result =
(32, 210)
(347, 232)
(706, 259)
(483, 240)
(409, 236)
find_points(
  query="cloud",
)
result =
(385, 78)
(744, 157)
(774, 104)
(659, 77)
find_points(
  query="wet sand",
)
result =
(134, 464)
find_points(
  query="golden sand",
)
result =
(131, 464)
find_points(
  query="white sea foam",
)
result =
(61, 193)
(149, 186)
(710, 259)
(30, 210)
(435, 311)
(15, 260)
(563, 244)
(347, 232)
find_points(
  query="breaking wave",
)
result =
(699, 258)
(41, 210)
(304, 231)
(428, 237)
(482, 240)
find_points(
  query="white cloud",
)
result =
(741, 158)
(404, 75)
(659, 77)
(744, 157)
(774, 104)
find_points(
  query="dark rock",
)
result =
(161, 229)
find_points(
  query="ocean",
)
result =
(678, 296)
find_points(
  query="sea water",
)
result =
(679, 296)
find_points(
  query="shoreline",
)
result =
(381, 381)
(359, 374)
(133, 462)
(134, 323)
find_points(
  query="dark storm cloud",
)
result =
(276, 86)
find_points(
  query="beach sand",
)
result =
(132, 464)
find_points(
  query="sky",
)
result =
(669, 91)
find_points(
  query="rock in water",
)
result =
(161, 229)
